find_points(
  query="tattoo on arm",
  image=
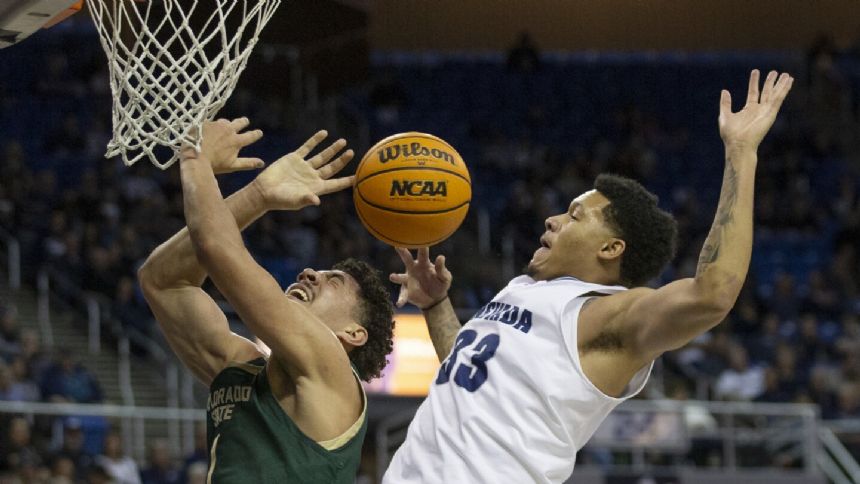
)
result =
(725, 215)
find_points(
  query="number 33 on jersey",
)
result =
(472, 374)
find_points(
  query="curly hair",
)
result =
(650, 234)
(375, 314)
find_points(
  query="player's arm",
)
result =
(655, 321)
(425, 284)
(300, 343)
(171, 279)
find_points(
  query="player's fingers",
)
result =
(405, 256)
(239, 124)
(439, 263)
(311, 143)
(783, 85)
(725, 103)
(333, 168)
(193, 133)
(250, 137)
(327, 154)
(753, 92)
(441, 270)
(337, 184)
(398, 278)
(401, 298)
(424, 255)
(767, 91)
(445, 274)
(249, 163)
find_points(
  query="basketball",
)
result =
(412, 190)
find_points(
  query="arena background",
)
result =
(631, 87)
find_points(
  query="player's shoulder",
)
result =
(605, 306)
(525, 280)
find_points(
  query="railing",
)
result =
(13, 259)
(133, 421)
(641, 428)
(43, 307)
(638, 431)
(837, 462)
(98, 317)
(390, 433)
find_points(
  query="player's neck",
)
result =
(594, 275)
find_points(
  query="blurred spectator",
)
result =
(197, 473)
(121, 468)
(55, 79)
(98, 474)
(68, 139)
(72, 448)
(524, 56)
(848, 400)
(161, 469)
(387, 99)
(773, 391)
(822, 296)
(10, 344)
(763, 344)
(790, 378)
(13, 383)
(18, 451)
(740, 381)
(199, 456)
(69, 381)
(62, 470)
(128, 309)
(830, 109)
(822, 381)
(784, 301)
(34, 358)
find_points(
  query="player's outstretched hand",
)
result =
(293, 182)
(220, 145)
(424, 283)
(746, 128)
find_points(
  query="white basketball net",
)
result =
(168, 76)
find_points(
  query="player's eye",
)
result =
(335, 279)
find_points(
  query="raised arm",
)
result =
(301, 344)
(655, 321)
(193, 324)
(425, 284)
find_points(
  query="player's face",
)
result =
(571, 238)
(331, 295)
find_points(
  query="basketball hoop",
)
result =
(173, 64)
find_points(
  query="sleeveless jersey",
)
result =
(252, 440)
(511, 402)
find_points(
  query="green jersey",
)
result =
(252, 440)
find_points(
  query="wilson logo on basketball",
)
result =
(391, 153)
(418, 188)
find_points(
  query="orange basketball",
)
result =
(412, 190)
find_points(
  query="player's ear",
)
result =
(354, 335)
(611, 249)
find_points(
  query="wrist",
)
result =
(257, 196)
(435, 304)
(740, 149)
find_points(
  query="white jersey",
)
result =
(511, 402)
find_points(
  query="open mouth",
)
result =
(299, 293)
(544, 242)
